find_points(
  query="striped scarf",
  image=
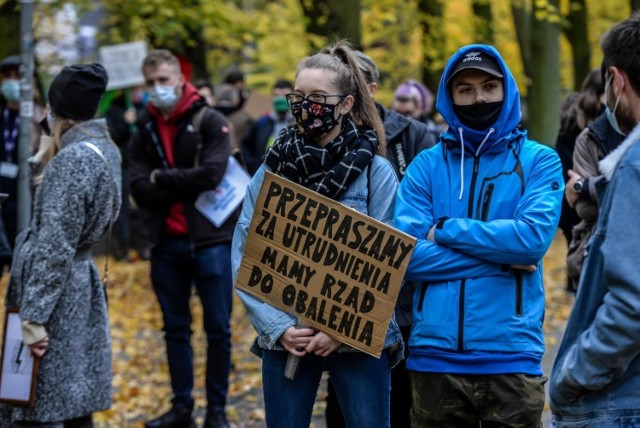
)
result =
(327, 170)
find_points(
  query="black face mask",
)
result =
(478, 116)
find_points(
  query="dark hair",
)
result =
(588, 103)
(282, 84)
(203, 83)
(621, 48)
(340, 59)
(234, 77)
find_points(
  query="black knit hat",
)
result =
(76, 91)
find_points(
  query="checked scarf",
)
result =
(327, 170)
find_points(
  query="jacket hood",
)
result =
(510, 114)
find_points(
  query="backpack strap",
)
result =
(95, 148)
(196, 122)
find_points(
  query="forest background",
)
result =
(550, 45)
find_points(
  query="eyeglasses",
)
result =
(295, 100)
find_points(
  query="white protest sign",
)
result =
(123, 63)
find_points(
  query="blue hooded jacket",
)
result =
(495, 203)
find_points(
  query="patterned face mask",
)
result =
(314, 117)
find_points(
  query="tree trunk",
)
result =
(9, 29)
(344, 22)
(578, 35)
(544, 89)
(483, 21)
(433, 61)
(335, 19)
(522, 18)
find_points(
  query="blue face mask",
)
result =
(11, 90)
(163, 97)
(611, 114)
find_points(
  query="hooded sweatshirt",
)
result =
(176, 222)
(494, 197)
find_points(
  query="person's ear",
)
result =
(373, 89)
(347, 104)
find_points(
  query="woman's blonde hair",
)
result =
(340, 59)
(60, 126)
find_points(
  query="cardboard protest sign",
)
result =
(330, 266)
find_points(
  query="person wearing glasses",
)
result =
(336, 148)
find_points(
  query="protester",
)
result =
(206, 91)
(54, 280)
(405, 139)
(592, 145)
(172, 161)
(263, 133)
(229, 103)
(407, 100)
(414, 100)
(596, 375)
(9, 141)
(484, 205)
(578, 112)
(121, 117)
(332, 150)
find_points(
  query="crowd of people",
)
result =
(483, 201)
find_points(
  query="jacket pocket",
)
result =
(486, 202)
(423, 291)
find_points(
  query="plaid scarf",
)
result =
(327, 170)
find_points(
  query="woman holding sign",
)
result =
(335, 150)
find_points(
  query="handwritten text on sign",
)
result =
(330, 266)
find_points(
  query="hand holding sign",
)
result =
(332, 267)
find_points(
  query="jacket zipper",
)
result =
(476, 163)
(472, 187)
(518, 275)
(486, 202)
(461, 316)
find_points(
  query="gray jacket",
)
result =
(56, 283)
(596, 375)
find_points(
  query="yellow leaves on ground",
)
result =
(141, 382)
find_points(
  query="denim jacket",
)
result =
(596, 375)
(270, 323)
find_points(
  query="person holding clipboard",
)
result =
(54, 280)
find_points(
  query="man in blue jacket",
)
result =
(484, 204)
(596, 375)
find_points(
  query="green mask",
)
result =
(280, 105)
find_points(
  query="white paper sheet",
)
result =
(17, 363)
(217, 205)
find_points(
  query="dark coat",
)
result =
(193, 172)
(254, 143)
(406, 138)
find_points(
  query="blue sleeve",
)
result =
(383, 188)
(606, 348)
(524, 239)
(430, 261)
(269, 322)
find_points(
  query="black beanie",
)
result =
(76, 91)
